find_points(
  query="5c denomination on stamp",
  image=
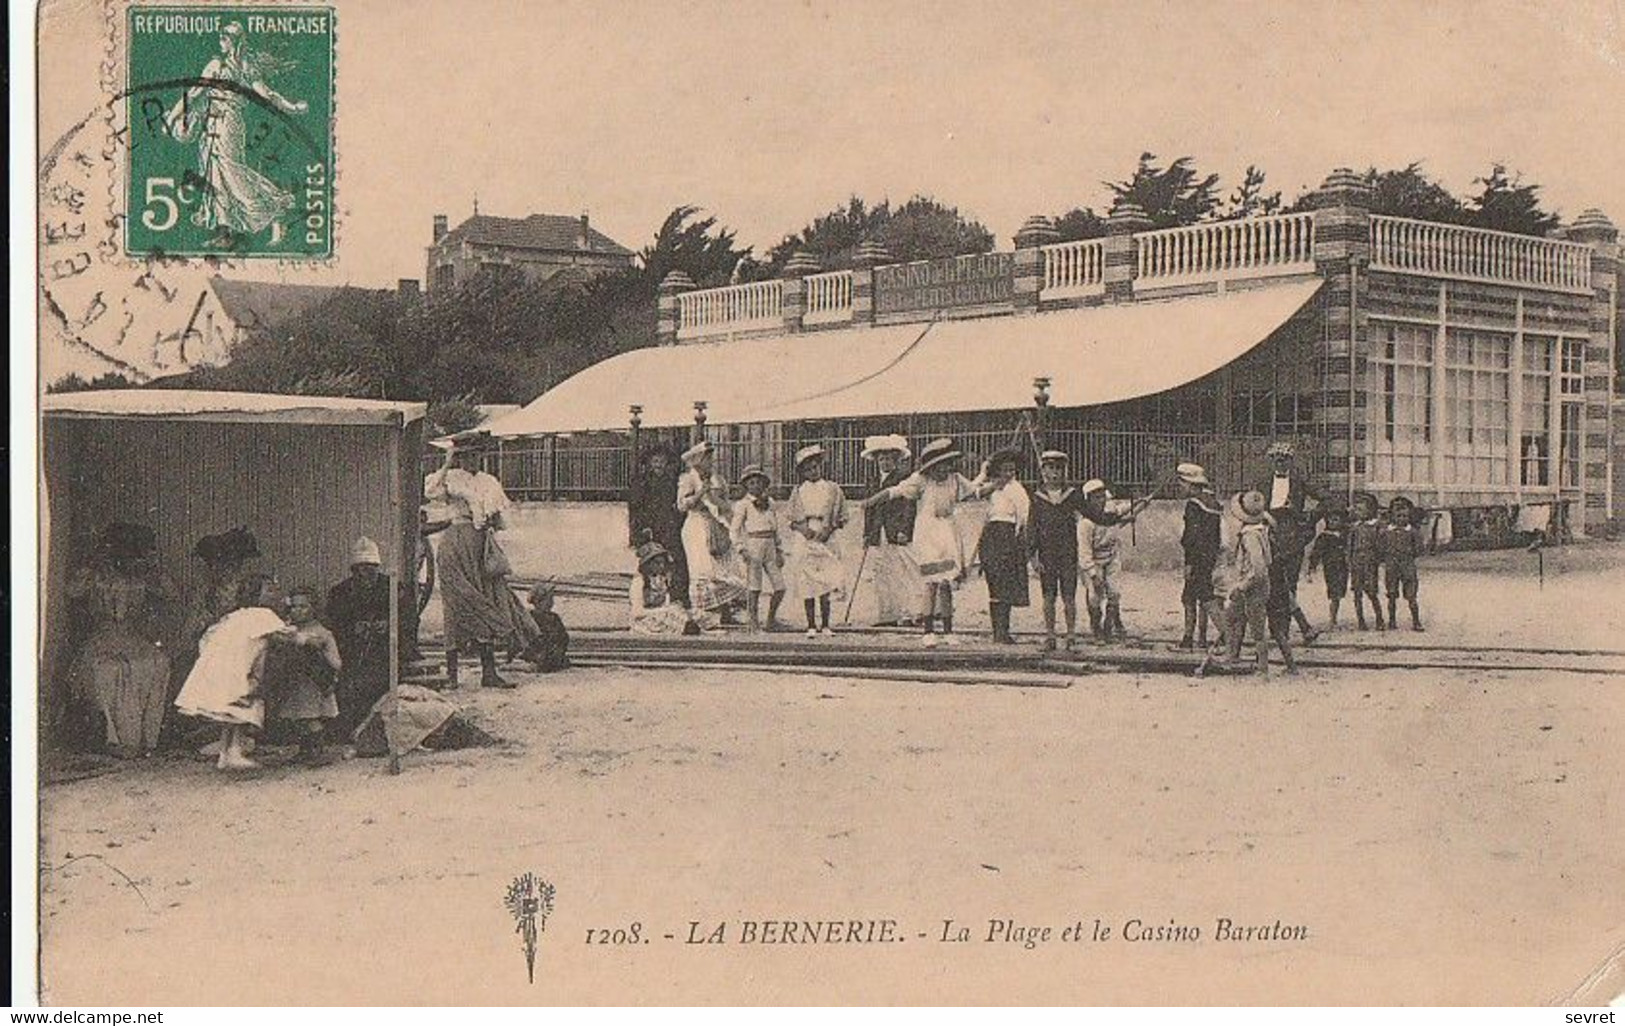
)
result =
(230, 138)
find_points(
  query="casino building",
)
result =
(1470, 370)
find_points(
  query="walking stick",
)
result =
(852, 595)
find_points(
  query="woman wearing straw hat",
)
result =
(887, 531)
(716, 577)
(817, 511)
(936, 488)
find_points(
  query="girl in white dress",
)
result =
(225, 684)
(817, 511)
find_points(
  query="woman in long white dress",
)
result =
(715, 571)
(238, 198)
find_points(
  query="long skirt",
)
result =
(480, 607)
(899, 591)
(1004, 563)
(122, 682)
(715, 582)
(936, 549)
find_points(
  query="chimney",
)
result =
(583, 238)
(439, 227)
(407, 288)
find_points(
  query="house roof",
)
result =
(550, 232)
(262, 304)
(1092, 356)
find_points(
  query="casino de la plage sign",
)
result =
(928, 285)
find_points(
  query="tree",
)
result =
(1080, 223)
(920, 229)
(1410, 192)
(696, 246)
(1171, 196)
(1249, 198)
(1505, 204)
(76, 383)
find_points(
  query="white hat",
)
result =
(1093, 485)
(1191, 473)
(365, 550)
(697, 450)
(808, 452)
(874, 445)
(1052, 456)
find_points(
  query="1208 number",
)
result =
(621, 935)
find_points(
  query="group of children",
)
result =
(1242, 558)
(1248, 584)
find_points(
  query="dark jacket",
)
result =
(652, 508)
(893, 519)
(1053, 534)
(1200, 538)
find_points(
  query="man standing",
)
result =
(652, 514)
(1287, 491)
(887, 530)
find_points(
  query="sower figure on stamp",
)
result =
(237, 198)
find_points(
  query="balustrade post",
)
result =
(1120, 267)
(1594, 229)
(1342, 254)
(793, 298)
(870, 254)
(1028, 264)
(666, 306)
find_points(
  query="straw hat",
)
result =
(1053, 456)
(808, 452)
(874, 445)
(754, 470)
(942, 450)
(698, 449)
(365, 550)
(1192, 473)
(1092, 486)
(648, 552)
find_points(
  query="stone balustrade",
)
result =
(1222, 250)
(829, 298)
(1200, 256)
(1073, 269)
(753, 306)
(1475, 254)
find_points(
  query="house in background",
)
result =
(542, 245)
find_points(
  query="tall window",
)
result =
(1401, 389)
(1535, 435)
(1477, 407)
(1571, 390)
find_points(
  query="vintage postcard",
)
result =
(835, 503)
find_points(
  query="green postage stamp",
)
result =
(230, 132)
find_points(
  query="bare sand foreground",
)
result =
(1441, 836)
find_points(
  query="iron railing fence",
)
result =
(598, 467)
